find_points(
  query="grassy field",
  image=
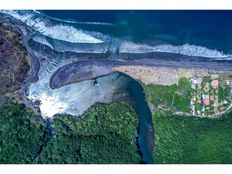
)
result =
(173, 96)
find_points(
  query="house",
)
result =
(193, 83)
(230, 83)
(203, 109)
(206, 99)
(214, 76)
(215, 84)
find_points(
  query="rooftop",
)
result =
(215, 84)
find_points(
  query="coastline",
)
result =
(86, 70)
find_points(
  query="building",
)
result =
(230, 83)
(215, 84)
(214, 76)
(206, 99)
(193, 83)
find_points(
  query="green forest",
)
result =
(192, 140)
(22, 135)
(106, 134)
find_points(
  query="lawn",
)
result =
(174, 96)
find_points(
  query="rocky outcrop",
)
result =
(13, 61)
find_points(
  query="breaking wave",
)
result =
(62, 30)
(74, 22)
(57, 31)
(186, 49)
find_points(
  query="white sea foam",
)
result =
(72, 47)
(70, 99)
(43, 41)
(66, 32)
(186, 49)
(60, 31)
(75, 22)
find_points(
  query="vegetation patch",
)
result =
(191, 140)
(173, 97)
(14, 60)
(22, 135)
(104, 134)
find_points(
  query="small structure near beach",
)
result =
(215, 84)
(206, 99)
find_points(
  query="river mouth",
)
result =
(106, 89)
(115, 87)
(145, 129)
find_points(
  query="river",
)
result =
(145, 129)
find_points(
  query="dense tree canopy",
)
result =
(107, 134)
(104, 134)
(22, 134)
(192, 140)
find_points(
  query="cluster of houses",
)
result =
(206, 97)
(204, 101)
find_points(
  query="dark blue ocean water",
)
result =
(211, 29)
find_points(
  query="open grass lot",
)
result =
(192, 140)
(176, 96)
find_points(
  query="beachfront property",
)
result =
(204, 94)
(193, 82)
(214, 84)
(211, 95)
(206, 99)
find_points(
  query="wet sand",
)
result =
(90, 69)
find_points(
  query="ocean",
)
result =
(207, 28)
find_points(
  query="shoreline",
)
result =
(91, 69)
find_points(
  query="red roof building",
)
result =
(207, 100)
(215, 84)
